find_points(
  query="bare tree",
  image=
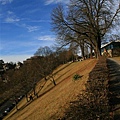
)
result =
(43, 51)
(25, 78)
(34, 75)
(89, 19)
(47, 63)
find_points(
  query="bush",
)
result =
(76, 77)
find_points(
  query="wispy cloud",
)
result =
(30, 28)
(47, 2)
(46, 38)
(10, 12)
(11, 20)
(17, 22)
(36, 21)
(11, 17)
(32, 11)
(4, 2)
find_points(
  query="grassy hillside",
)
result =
(52, 100)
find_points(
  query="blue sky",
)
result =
(24, 27)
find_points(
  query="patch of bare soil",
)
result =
(52, 105)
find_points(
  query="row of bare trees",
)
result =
(85, 23)
(23, 80)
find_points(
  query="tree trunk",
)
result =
(98, 46)
(54, 82)
(35, 94)
(16, 101)
(98, 54)
(45, 78)
(26, 97)
(34, 90)
(91, 50)
(82, 50)
(95, 52)
(16, 105)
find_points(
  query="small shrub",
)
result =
(76, 77)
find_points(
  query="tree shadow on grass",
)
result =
(30, 101)
(114, 87)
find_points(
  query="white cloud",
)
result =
(17, 22)
(11, 20)
(4, 2)
(10, 12)
(11, 17)
(37, 21)
(46, 38)
(47, 2)
(30, 28)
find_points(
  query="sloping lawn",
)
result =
(52, 104)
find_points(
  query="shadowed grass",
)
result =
(53, 100)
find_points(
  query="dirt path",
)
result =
(114, 82)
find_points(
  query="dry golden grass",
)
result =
(53, 103)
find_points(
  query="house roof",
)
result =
(102, 46)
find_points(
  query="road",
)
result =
(114, 85)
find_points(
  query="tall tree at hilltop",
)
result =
(88, 20)
(43, 51)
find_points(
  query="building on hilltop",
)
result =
(111, 49)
